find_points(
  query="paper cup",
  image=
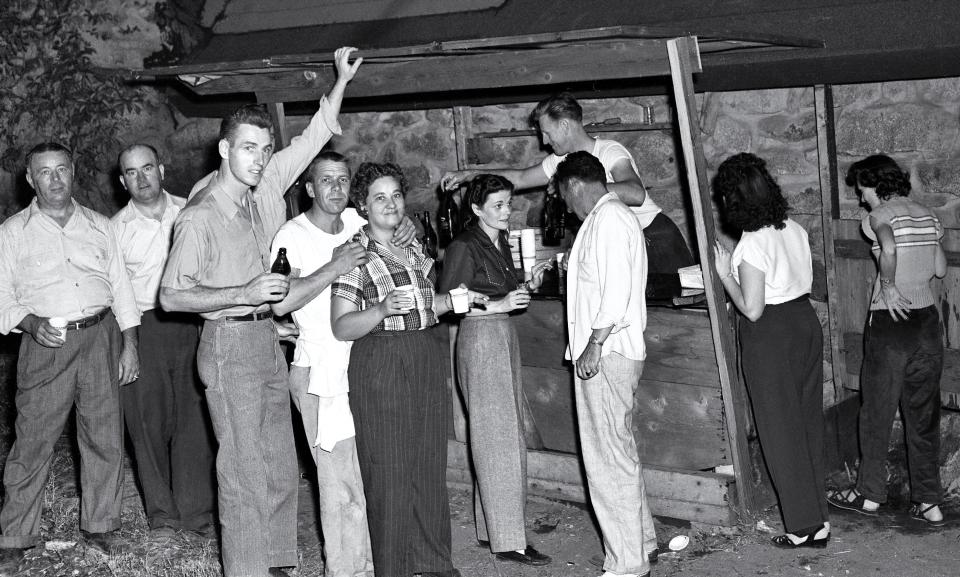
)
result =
(679, 543)
(460, 299)
(560, 257)
(60, 324)
(528, 243)
(528, 264)
(409, 290)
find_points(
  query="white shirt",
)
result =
(606, 281)
(308, 249)
(783, 256)
(609, 153)
(145, 244)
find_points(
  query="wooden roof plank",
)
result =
(558, 65)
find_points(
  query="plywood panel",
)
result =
(680, 348)
(679, 425)
(550, 394)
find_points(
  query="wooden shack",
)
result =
(693, 413)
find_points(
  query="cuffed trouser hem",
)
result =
(285, 559)
(100, 526)
(18, 541)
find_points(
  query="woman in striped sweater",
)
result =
(903, 342)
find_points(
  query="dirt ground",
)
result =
(889, 545)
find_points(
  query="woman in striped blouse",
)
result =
(902, 340)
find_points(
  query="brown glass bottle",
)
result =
(281, 265)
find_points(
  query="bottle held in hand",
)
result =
(281, 265)
(429, 236)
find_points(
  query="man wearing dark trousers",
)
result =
(60, 261)
(164, 409)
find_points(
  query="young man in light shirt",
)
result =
(606, 317)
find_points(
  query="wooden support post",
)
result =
(829, 195)
(281, 137)
(462, 130)
(734, 396)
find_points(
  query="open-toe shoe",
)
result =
(849, 500)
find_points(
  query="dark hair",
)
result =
(562, 105)
(132, 147)
(367, 174)
(47, 147)
(881, 172)
(580, 165)
(478, 190)
(326, 156)
(752, 198)
(253, 114)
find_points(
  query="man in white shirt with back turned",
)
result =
(606, 317)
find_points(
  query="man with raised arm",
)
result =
(219, 267)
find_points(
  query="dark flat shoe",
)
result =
(530, 556)
(785, 542)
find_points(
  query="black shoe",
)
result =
(530, 556)
(107, 543)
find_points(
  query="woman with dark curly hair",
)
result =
(768, 278)
(488, 366)
(398, 390)
(902, 342)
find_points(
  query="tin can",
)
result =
(648, 114)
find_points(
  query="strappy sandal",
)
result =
(849, 500)
(921, 515)
(809, 540)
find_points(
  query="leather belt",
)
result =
(252, 317)
(87, 321)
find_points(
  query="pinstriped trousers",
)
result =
(401, 409)
(488, 365)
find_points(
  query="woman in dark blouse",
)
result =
(488, 365)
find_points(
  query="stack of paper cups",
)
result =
(515, 247)
(528, 251)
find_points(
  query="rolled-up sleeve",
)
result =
(187, 256)
(11, 311)
(124, 301)
(616, 239)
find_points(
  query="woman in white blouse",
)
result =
(768, 278)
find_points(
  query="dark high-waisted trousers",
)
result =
(401, 407)
(782, 361)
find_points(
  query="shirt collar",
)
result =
(227, 205)
(603, 200)
(130, 212)
(34, 210)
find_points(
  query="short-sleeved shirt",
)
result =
(917, 233)
(72, 271)
(367, 285)
(609, 153)
(783, 255)
(220, 242)
(475, 261)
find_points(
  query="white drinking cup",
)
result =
(528, 243)
(408, 289)
(460, 299)
(60, 324)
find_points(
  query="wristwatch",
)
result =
(595, 341)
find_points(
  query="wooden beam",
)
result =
(829, 205)
(699, 496)
(735, 402)
(281, 137)
(554, 65)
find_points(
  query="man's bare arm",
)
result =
(267, 287)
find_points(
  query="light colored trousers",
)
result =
(248, 394)
(488, 366)
(343, 508)
(614, 473)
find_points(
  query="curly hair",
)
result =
(478, 190)
(881, 172)
(367, 173)
(752, 198)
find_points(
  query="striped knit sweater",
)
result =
(918, 233)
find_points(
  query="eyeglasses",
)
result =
(327, 181)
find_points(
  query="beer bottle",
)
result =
(429, 235)
(281, 265)
(554, 219)
(447, 219)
